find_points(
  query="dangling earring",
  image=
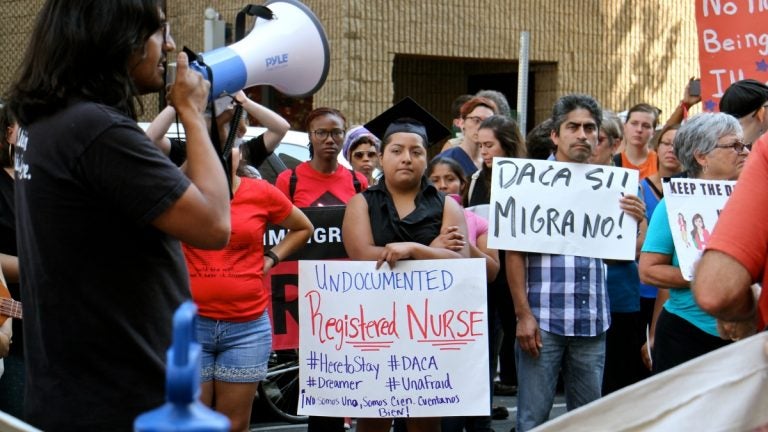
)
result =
(705, 168)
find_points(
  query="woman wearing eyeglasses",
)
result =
(361, 149)
(467, 154)
(709, 147)
(321, 181)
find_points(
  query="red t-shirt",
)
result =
(316, 189)
(227, 284)
(739, 231)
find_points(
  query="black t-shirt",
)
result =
(99, 283)
(422, 225)
(480, 193)
(256, 147)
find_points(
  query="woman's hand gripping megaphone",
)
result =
(189, 90)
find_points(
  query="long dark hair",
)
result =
(506, 131)
(452, 165)
(81, 49)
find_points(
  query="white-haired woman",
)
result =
(710, 147)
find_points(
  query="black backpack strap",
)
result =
(292, 183)
(617, 160)
(355, 181)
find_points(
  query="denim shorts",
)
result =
(235, 352)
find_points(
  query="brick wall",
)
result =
(621, 52)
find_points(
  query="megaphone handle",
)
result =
(216, 141)
(233, 123)
(258, 11)
(226, 154)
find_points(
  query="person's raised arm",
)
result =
(276, 125)
(681, 111)
(200, 217)
(299, 230)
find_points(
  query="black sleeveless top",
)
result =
(422, 225)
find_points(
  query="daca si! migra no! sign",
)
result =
(561, 208)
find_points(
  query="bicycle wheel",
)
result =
(280, 390)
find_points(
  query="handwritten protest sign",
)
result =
(404, 342)
(282, 282)
(733, 45)
(561, 208)
(723, 390)
(693, 207)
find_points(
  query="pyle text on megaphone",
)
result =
(288, 52)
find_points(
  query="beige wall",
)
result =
(622, 52)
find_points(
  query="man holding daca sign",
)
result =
(557, 281)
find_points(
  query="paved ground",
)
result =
(270, 425)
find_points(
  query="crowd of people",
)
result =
(107, 229)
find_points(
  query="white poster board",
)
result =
(723, 390)
(404, 342)
(561, 208)
(693, 207)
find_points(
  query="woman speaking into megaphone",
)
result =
(101, 212)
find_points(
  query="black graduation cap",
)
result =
(408, 116)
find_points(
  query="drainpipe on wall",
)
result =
(522, 83)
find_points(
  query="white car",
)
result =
(293, 149)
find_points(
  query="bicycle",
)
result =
(280, 390)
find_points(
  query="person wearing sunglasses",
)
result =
(361, 149)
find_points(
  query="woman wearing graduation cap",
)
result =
(412, 219)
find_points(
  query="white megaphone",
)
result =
(289, 52)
